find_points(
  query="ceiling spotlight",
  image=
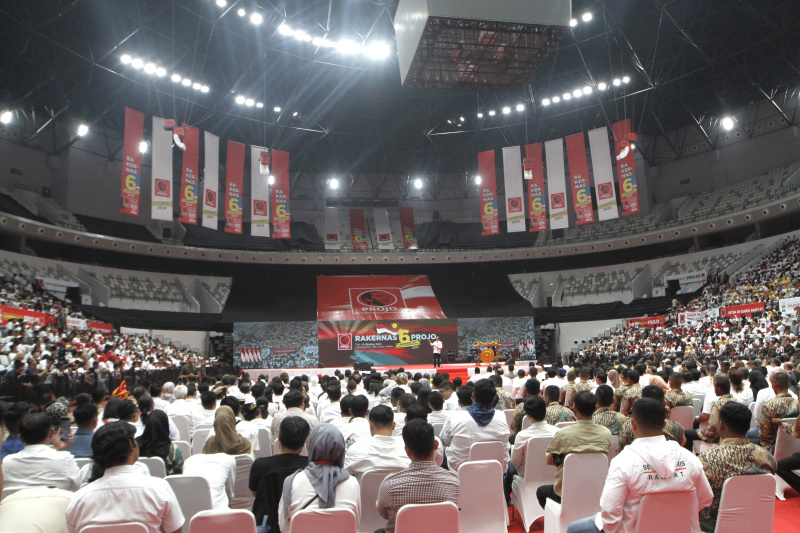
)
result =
(727, 123)
(204, 89)
(546, 101)
(556, 99)
(506, 110)
(573, 23)
(137, 63)
(196, 86)
(6, 117)
(587, 90)
(256, 18)
(271, 179)
(241, 12)
(491, 113)
(143, 147)
(126, 59)
(334, 183)
(186, 82)
(586, 17)
(577, 93)
(149, 68)
(478, 180)
(633, 146)
(176, 78)
(480, 115)
(283, 29)
(294, 114)
(616, 82)
(566, 96)
(346, 46)
(83, 129)
(520, 107)
(161, 72)
(222, 3)
(277, 109)
(259, 105)
(417, 183)
(626, 79)
(602, 86)
(449, 121)
(249, 102)
(240, 99)
(377, 50)
(462, 119)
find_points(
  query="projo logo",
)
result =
(376, 298)
(345, 341)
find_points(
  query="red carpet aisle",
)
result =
(787, 517)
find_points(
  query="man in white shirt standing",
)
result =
(437, 352)
(649, 465)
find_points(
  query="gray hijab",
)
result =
(325, 467)
(426, 385)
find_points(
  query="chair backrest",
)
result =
(536, 468)
(193, 493)
(328, 520)
(8, 491)
(508, 387)
(182, 424)
(440, 517)
(683, 415)
(437, 428)
(747, 504)
(82, 461)
(199, 440)
(697, 405)
(237, 520)
(526, 422)
(369, 483)
(612, 450)
(785, 444)
(565, 424)
(156, 466)
(480, 497)
(583, 480)
(204, 425)
(184, 447)
(487, 451)
(242, 497)
(665, 512)
(127, 527)
(753, 421)
(264, 443)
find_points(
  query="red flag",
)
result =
(132, 162)
(281, 228)
(626, 167)
(234, 184)
(579, 177)
(358, 230)
(191, 164)
(534, 176)
(488, 197)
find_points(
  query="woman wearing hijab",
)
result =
(757, 382)
(154, 442)
(226, 439)
(324, 484)
(613, 378)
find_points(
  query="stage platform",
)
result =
(462, 370)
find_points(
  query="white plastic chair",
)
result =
(582, 483)
(127, 527)
(697, 405)
(8, 491)
(753, 421)
(537, 473)
(199, 440)
(156, 466)
(488, 451)
(683, 415)
(242, 497)
(206, 425)
(785, 446)
(83, 461)
(564, 424)
(480, 497)
(509, 418)
(439, 517)
(665, 512)
(184, 447)
(437, 429)
(264, 443)
(328, 520)
(526, 422)
(193, 494)
(236, 520)
(747, 504)
(612, 449)
(182, 424)
(369, 484)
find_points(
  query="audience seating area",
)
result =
(593, 283)
(12, 266)
(136, 288)
(219, 291)
(711, 265)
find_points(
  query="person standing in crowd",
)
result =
(436, 345)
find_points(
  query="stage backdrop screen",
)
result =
(385, 343)
(275, 345)
(509, 332)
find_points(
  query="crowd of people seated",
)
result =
(282, 344)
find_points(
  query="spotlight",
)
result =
(334, 183)
(587, 90)
(556, 99)
(727, 123)
(602, 86)
(161, 72)
(586, 17)
(83, 129)
(283, 29)
(126, 59)
(240, 99)
(222, 3)
(477, 180)
(271, 179)
(520, 107)
(633, 146)
(277, 109)
(573, 23)
(176, 78)
(186, 82)
(347, 47)
(196, 86)
(626, 79)
(256, 18)
(417, 183)
(491, 113)
(506, 110)
(149, 68)
(449, 121)
(461, 119)
(546, 101)
(616, 82)
(577, 93)
(249, 102)
(566, 96)
(241, 12)
(6, 117)
(480, 115)
(204, 89)
(377, 50)
(294, 114)
(143, 147)
(137, 63)
(259, 105)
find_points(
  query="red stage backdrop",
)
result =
(408, 228)
(579, 177)
(386, 342)
(534, 176)
(343, 298)
(191, 164)
(132, 162)
(490, 216)
(281, 227)
(626, 167)
(234, 186)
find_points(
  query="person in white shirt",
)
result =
(183, 403)
(438, 414)
(479, 423)
(39, 464)
(219, 469)
(205, 414)
(118, 492)
(381, 449)
(649, 465)
(450, 397)
(404, 401)
(518, 383)
(147, 404)
(535, 409)
(155, 392)
(293, 400)
(357, 426)
(333, 410)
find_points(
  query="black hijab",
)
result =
(757, 382)
(154, 441)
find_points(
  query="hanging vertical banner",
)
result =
(534, 176)
(333, 240)
(490, 217)
(132, 162)
(259, 191)
(512, 178)
(383, 229)
(161, 197)
(358, 229)
(626, 167)
(603, 174)
(211, 181)
(234, 186)
(281, 214)
(190, 173)
(556, 186)
(408, 228)
(579, 177)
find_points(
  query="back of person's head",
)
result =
(552, 392)
(437, 380)
(418, 437)
(233, 403)
(244, 388)
(601, 376)
(145, 404)
(604, 396)
(294, 432)
(533, 387)
(34, 429)
(277, 387)
(584, 403)
(155, 389)
(780, 378)
(381, 416)
(464, 395)
(344, 404)
(484, 392)
(649, 414)
(83, 398)
(535, 407)
(334, 393)
(496, 380)
(359, 405)
(181, 392)
(551, 372)
(85, 414)
(396, 393)
(405, 401)
(654, 392)
(111, 446)
(436, 401)
(257, 390)
(634, 375)
(722, 382)
(688, 376)
(675, 379)
(737, 417)
(13, 416)
(208, 400)
(415, 387)
(249, 412)
(457, 382)
(126, 411)
(416, 411)
(293, 398)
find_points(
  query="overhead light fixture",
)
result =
(249, 102)
(222, 3)
(602, 86)
(377, 50)
(586, 17)
(137, 63)
(83, 129)
(633, 146)
(577, 93)
(520, 107)
(295, 114)
(334, 183)
(259, 105)
(556, 99)
(149, 68)
(347, 46)
(491, 113)
(256, 18)
(616, 82)
(241, 12)
(506, 110)
(204, 89)
(462, 119)
(626, 79)
(196, 86)
(176, 78)
(546, 101)
(161, 72)
(573, 23)
(143, 147)
(477, 179)
(6, 117)
(284, 29)
(186, 82)
(727, 123)
(566, 96)
(277, 109)
(417, 183)
(449, 121)
(240, 99)
(587, 90)
(126, 59)
(480, 115)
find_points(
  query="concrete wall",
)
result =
(196, 340)
(582, 331)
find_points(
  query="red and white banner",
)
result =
(579, 178)
(556, 186)
(99, 326)
(376, 298)
(603, 174)
(79, 323)
(383, 229)
(250, 355)
(132, 162)
(234, 186)
(736, 311)
(211, 182)
(626, 167)
(333, 239)
(189, 178)
(135, 331)
(29, 317)
(534, 176)
(161, 195)
(697, 316)
(281, 225)
(408, 228)
(788, 305)
(646, 322)
(358, 229)
(259, 192)
(490, 217)
(512, 179)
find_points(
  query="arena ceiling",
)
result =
(346, 112)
